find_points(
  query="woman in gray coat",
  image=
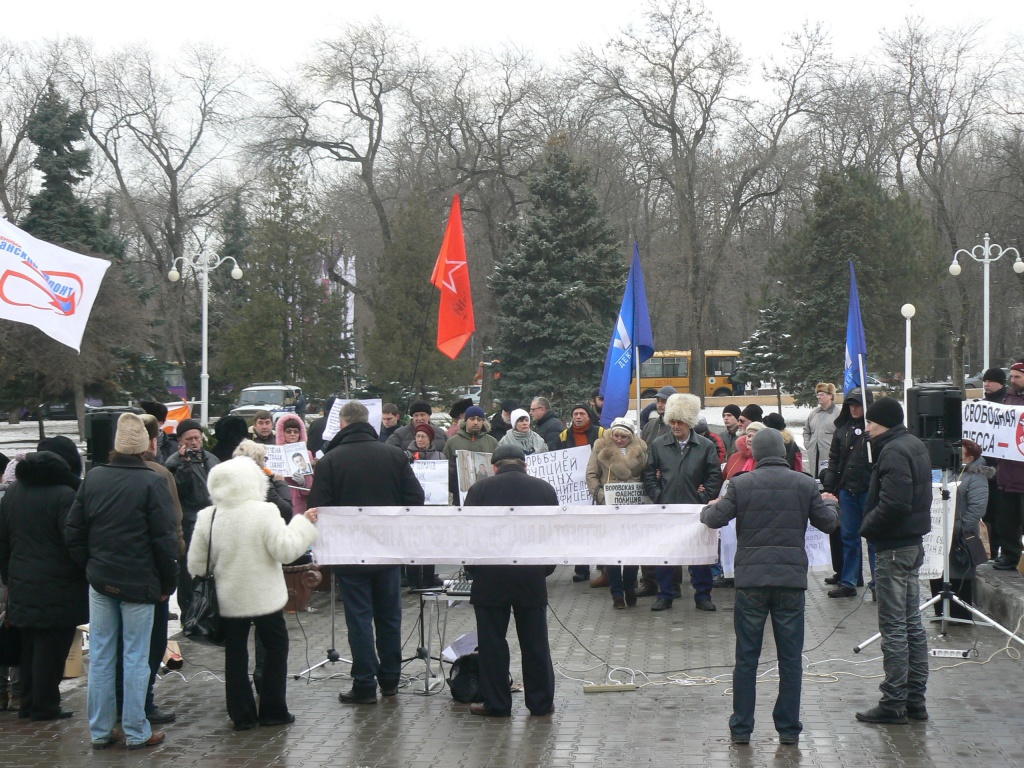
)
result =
(971, 501)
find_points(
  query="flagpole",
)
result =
(636, 357)
(864, 395)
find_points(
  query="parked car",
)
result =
(275, 397)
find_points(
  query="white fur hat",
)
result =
(684, 408)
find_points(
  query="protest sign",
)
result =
(934, 540)
(333, 424)
(566, 471)
(433, 476)
(287, 460)
(816, 544)
(998, 429)
(471, 466)
(624, 493)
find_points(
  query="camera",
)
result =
(193, 455)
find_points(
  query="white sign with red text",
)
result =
(998, 429)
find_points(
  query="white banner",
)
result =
(998, 429)
(566, 471)
(286, 460)
(46, 286)
(648, 534)
(816, 544)
(333, 424)
(433, 476)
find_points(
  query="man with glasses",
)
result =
(545, 422)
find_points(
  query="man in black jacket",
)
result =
(190, 466)
(500, 589)
(899, 515)
(359, 471)
(546, 423)
(123, 531)
(847, 476)
(772, 505)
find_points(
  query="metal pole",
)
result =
(986, 262)
(204, 376)
(907, 381)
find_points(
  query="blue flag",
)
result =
(632, 335)
(856, 346)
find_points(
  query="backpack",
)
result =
(464, 679)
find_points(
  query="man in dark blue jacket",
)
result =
(500, 589)
(359, 471)
(772, 505)
(898, 516)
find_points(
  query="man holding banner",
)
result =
(683, 468)
(771, 505)
(1010, 479)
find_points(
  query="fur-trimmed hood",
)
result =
(235, 482)
(979, 467)
(684, 408)
(279, 428)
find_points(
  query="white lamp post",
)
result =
(908, 311)
(204, 264)
(986, 254)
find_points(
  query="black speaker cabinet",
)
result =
(100, 428)
(935, 415)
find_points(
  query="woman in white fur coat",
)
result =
(250, 541)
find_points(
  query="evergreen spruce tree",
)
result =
(36, 367)
(886, 238)
(558, 290)
(403, 338)
(290, 325)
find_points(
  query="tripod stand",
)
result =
(333, 657)
(946, 595)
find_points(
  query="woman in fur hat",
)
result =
(522, 436)
(619, 456)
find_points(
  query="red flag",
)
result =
(455, 322)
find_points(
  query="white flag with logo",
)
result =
(47, 286)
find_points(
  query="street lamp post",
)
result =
(908, 311)
(986, 254)
(204, 265)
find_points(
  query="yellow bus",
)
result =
(672, 367)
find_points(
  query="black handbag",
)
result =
(10, 637)
(202, 619)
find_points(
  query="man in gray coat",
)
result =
(772, 505)
(820, 428)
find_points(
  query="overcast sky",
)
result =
(280, 34)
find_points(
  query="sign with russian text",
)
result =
(625, 493)
(566, 471)
(333, 423)
(433, 476)
(998, 429)
(46, 286)
(288, 460)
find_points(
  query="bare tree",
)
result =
(944, 80)
(166, 134)
(716, 153)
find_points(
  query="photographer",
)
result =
(190, 465)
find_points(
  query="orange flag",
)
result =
(455, 323)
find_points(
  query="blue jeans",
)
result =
(851, 515)
(786, 606)
(110, 618)
(619, 577)
(373, 600)
(904, 643)
(700, 580)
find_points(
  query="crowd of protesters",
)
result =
(111, 547)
